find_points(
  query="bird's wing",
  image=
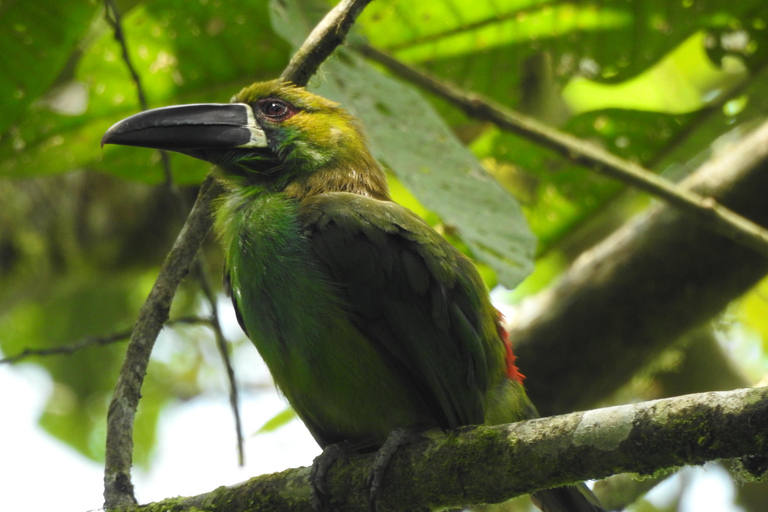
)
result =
(417, 298)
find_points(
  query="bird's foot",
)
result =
(319, 472)
(397, 438)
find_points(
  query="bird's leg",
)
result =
(397, 438)
(319, 472)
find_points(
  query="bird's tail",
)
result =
(569, 498)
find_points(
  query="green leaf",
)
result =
(413, 141)
(683, 81)
(42, 35)
(164, 40)
(278, 420)
(529, 54)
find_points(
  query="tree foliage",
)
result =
(84, 230)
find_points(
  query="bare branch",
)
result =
(323, 40)
(90, 341)
(705, 210)
(112, 15)
(493, 464)
(118, 489)
(93, 341)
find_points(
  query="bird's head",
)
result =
(272, 135)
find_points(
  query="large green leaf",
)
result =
(411, 139)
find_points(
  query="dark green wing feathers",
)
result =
(409, 292)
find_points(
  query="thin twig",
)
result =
(223, 347)
(112, 15)
(705, 210)
(95, 341)
(222, 344)
(118, 487)
(90, 341)
(182, 209)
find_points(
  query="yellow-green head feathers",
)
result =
(315, 144)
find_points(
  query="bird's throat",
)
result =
(369, 182)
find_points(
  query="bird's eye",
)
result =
(276, 109)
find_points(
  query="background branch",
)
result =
(704, 210)
(659, 276)
(493, 464)
(94, 341)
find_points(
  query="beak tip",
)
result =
(107, 138)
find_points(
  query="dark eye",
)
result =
(276, 109)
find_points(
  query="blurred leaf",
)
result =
(480, 45)
(753, 311)
(685, 80)
(74, 309)
(164, 38)
(43, 32)
(439, 29)
(519, 52)
(278, 420)
(78, 308)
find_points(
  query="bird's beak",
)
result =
(190, 129)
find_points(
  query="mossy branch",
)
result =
(493, 464)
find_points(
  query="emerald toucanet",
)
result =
(368, 320)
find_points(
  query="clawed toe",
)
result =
(399, 437)
(319, 472)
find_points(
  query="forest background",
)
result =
(664, 84)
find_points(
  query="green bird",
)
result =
(368, 319)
